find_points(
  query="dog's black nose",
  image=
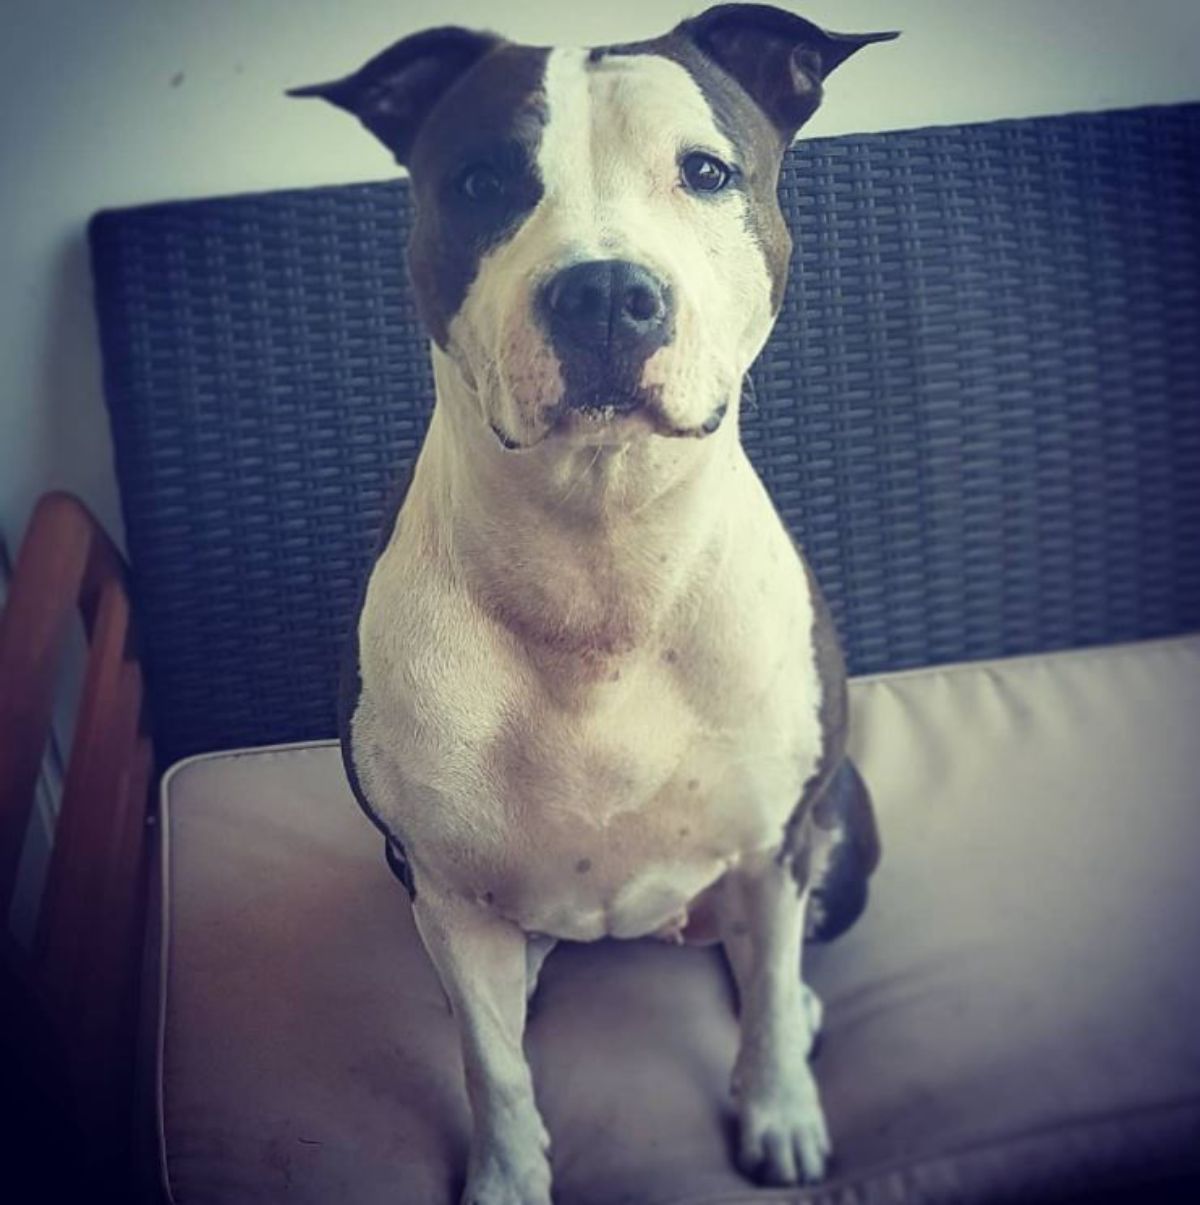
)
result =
(608, 303)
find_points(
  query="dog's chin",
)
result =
(601, 426)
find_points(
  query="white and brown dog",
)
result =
(596, 691)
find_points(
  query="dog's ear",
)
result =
(394, 92)
(779, 58)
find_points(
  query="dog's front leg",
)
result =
(481, 960)
(782, 1139)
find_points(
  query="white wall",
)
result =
(114, 102)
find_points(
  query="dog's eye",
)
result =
(481, 183)
(704, 173)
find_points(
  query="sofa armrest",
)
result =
(81, 973)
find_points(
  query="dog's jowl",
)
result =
(594, 690)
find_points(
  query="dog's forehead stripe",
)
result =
(596, 102)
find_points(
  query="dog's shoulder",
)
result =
(350, 688)
(832, 838)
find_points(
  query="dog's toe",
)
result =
(783, 1138)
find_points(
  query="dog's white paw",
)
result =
(513, 1172)
(783, 1139)
(501, 1183)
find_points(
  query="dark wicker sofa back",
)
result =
(980, 410)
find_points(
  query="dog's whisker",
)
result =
(583, 474)
(749, 392)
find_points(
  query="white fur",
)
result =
(782, 1133)
(481, 962)
(589, 690)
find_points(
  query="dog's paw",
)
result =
(783, 1139)
(498, 1179)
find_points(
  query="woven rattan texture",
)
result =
(979, 412)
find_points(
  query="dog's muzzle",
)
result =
(605, 319)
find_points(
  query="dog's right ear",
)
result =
(394, 92)
(780, 59)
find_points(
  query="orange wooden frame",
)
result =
(80, 978)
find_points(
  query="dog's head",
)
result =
(598, 246)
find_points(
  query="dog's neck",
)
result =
(583, 549)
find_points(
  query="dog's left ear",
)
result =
(780, 59)
(393, 93)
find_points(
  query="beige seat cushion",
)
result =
(1016, 1014)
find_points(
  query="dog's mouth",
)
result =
(612, 422)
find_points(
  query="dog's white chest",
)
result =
(603, 805)
(610, 823)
